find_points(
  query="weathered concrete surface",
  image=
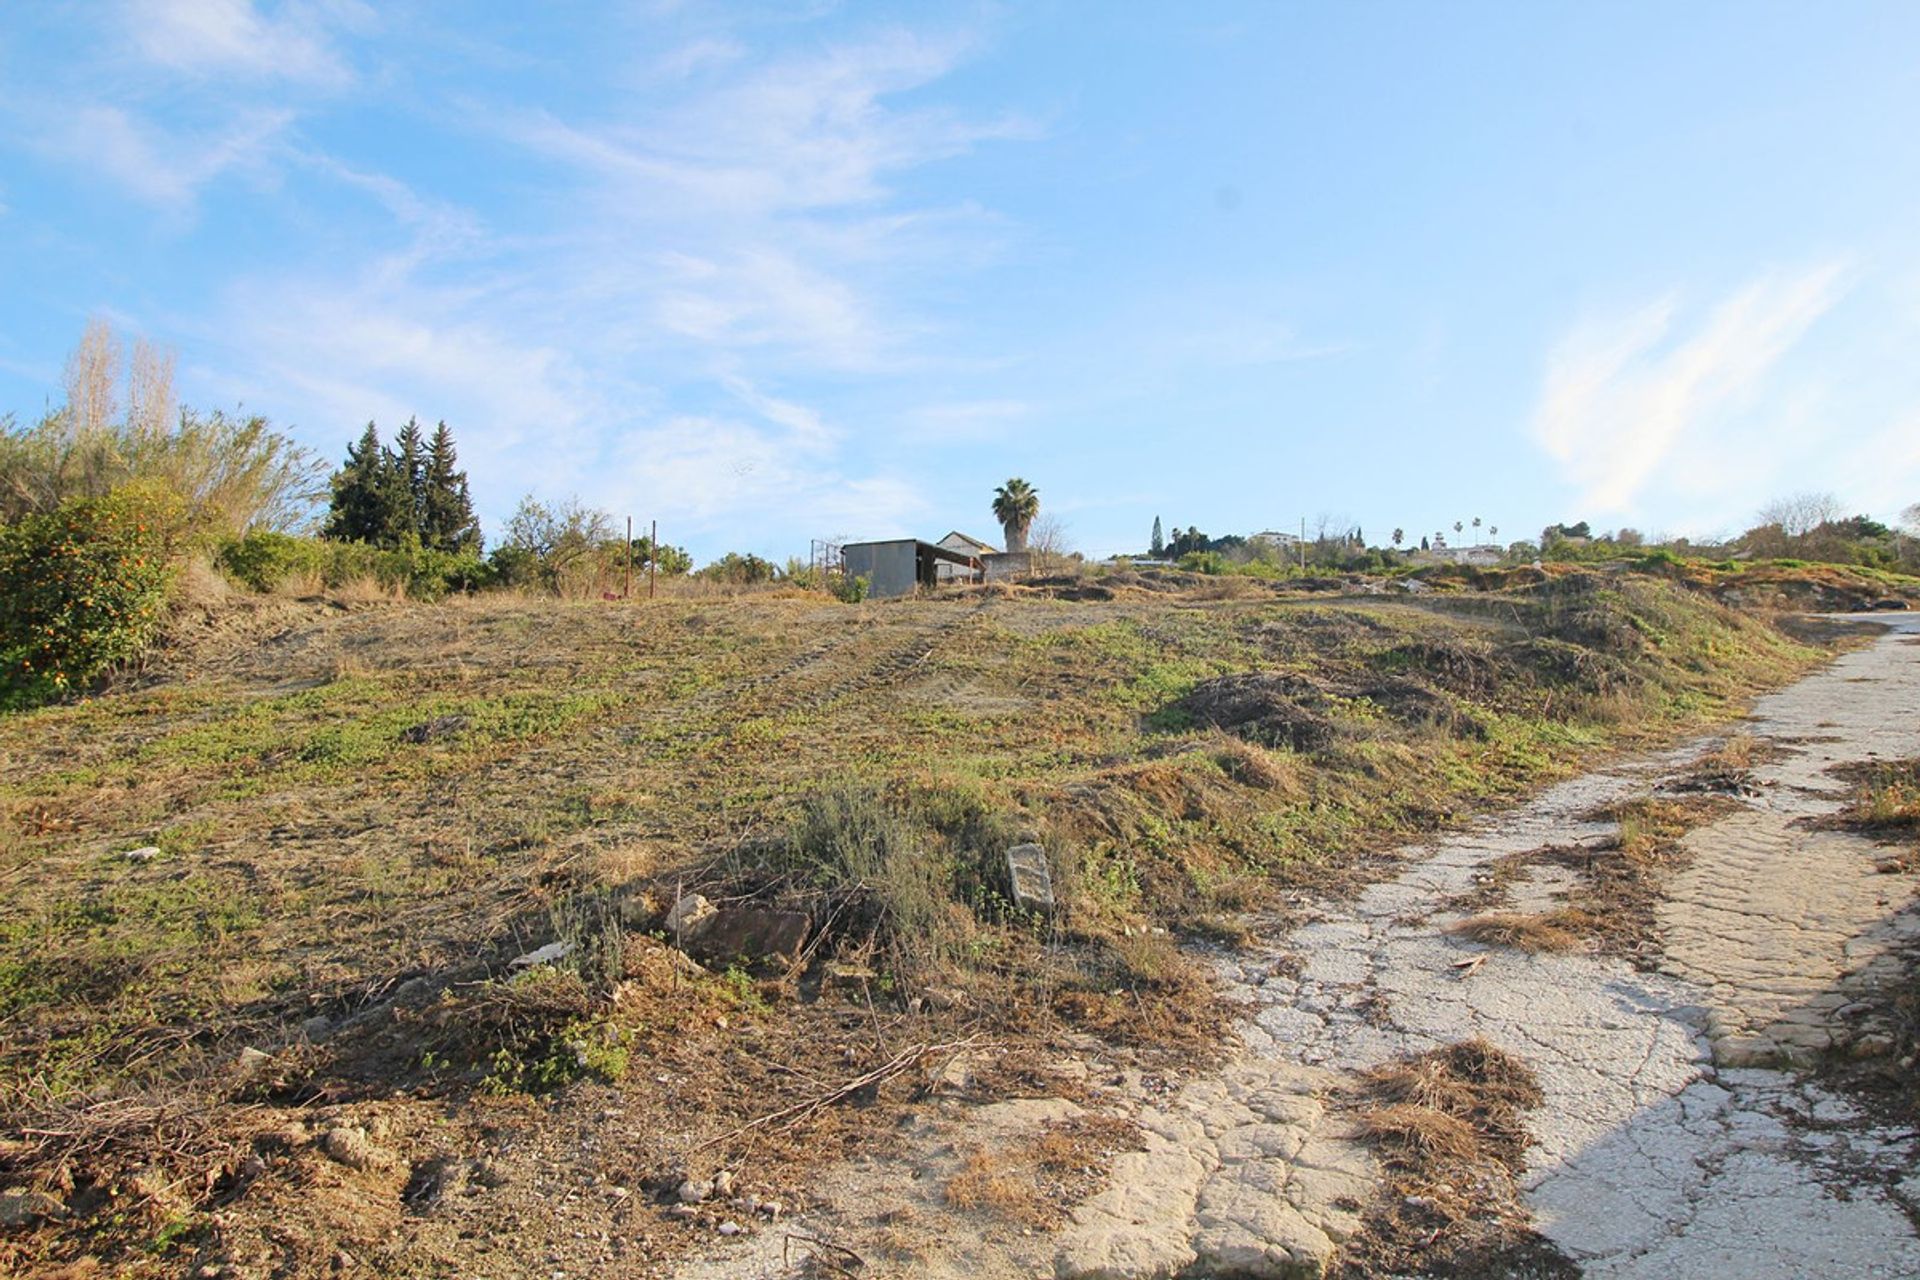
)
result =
(1244, 1174)
(1784, 928)
(1781, 925)
(1653, 1161)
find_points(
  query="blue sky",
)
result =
(774, 272)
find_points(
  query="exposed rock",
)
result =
(552, 953)
(165, 1195)
(145, 853)
(694, 1191)
(1244, 1174)
(416, 991)
(1032, 878)
(22, 1207)
(750, 933)
(349, 1145)
(438, 727)
(955, 1075)
(689, 916)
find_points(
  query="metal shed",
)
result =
(902, 565)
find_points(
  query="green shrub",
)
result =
(1660, 561)
(426, 574)
(738, 570)
(1211, 562)
(263, 560)
(82, 588)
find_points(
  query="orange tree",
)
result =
(82, 587)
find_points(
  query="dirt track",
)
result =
(1677, 1137)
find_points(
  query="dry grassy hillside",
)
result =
(362, 814)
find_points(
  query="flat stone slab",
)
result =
(1244, 1174)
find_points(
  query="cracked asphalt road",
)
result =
(1675, 1139)
(1678, 1137)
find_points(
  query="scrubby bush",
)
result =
(1204, 562)
(231, 473)
(82, 588)
(267, 561)
(738, 570)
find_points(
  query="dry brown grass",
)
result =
(317, 861)
(1253, 765)
(1566, 929)
(990, 1181)
(1884, 803)
(1035, 1180)
(1650, 827)
(367, 588)
(1419, 1131)
(1450, 1125)
(1619, 883)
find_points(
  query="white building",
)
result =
(964, 545)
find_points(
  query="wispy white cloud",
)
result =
(741, 479)
(1623, 394)
(810, 131)
(804, 133)
(232, 37)
(767, 193)
(755, 295)
(436, 228)
(708, 245)
(161, 168)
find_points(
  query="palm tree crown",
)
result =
(1015, 504)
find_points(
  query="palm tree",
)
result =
(1457, 527)
(1493, 531)
(1399, 536)
(1015, 504)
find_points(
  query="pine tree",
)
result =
(410, 481)
(360, 511)
(1158, 546)
(447, 522)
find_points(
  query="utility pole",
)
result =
(626, 592)
(1303, 544)
(653, 557)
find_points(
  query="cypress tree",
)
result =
(409, 481)
(359, 511)
(1158, 546)
(447, 521)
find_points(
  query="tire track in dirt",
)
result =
(812, 680)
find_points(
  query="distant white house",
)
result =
(965, 545)
(1482, 556)
(1275, 538)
